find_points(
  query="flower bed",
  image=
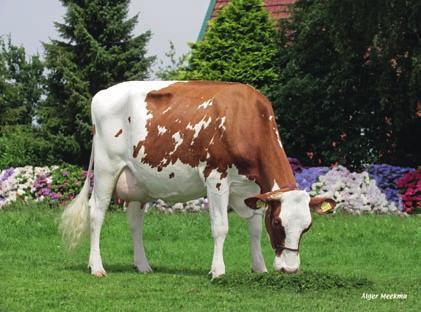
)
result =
(53, 184)
(379, 189)
(59, 184)
(354, 192)
(386, 176)
(410, 189)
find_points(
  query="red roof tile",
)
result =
(278, 8)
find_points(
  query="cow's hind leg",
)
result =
(135, 214)
(99, 202)
(218, 210)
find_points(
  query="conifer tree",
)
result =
(97, 49)
(239, 45)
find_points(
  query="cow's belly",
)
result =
(174, 183)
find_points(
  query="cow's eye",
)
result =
(277, 222)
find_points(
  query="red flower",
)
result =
(410, 188)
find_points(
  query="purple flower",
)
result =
(386, 176)
(55, 196)
(295, 164)
(45, 191)
(308, 176)
(7, 173)
(65, 174)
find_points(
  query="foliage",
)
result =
(173, 70)
(410, 188)
(349, 79)
(386, 176)
(298, 283)
(22, 144)
(21, 80)
(38, 275)
(354, 192)
(96, 50)
(67, 181)
(240, 45)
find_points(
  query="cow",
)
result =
(178, 141)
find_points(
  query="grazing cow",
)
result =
(182, 140)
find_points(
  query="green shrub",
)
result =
(22, 145)
(67, 181)
(349, 78)
(239, 46)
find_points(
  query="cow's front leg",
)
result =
(255, 231)
(218, 211)
(135, 214)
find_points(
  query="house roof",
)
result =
(279, 9)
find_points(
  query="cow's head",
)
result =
(287, 218)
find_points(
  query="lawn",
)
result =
(342, 257)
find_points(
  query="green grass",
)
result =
(342, 257)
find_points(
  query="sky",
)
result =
(30, 22)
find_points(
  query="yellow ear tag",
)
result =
(325, 207)
(260, 204)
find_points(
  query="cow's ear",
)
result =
(258, 201)
(322, 205)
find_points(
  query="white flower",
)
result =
(357, 191)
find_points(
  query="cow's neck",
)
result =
(276, 172)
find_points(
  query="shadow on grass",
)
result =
(112, 268)
(304, 281)
(128, 268)
(180, 271)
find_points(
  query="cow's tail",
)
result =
(75, 219)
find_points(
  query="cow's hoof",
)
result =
(216, 274)
(259, 270)
(99, 273)
(143, 268)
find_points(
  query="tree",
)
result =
(21, 81)
(97, 50)
(345, 90)
(174, 69)
(240, 45)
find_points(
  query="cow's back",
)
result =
(172, 132)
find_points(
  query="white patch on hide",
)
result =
(141, 153)
(202, 124)
(178, 141)
(205, 104)
(221, 123)
(275, 186)
(279, 138)
(161, 130)
(163, 161)
(211, 141)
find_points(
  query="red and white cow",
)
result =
(182, 140)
